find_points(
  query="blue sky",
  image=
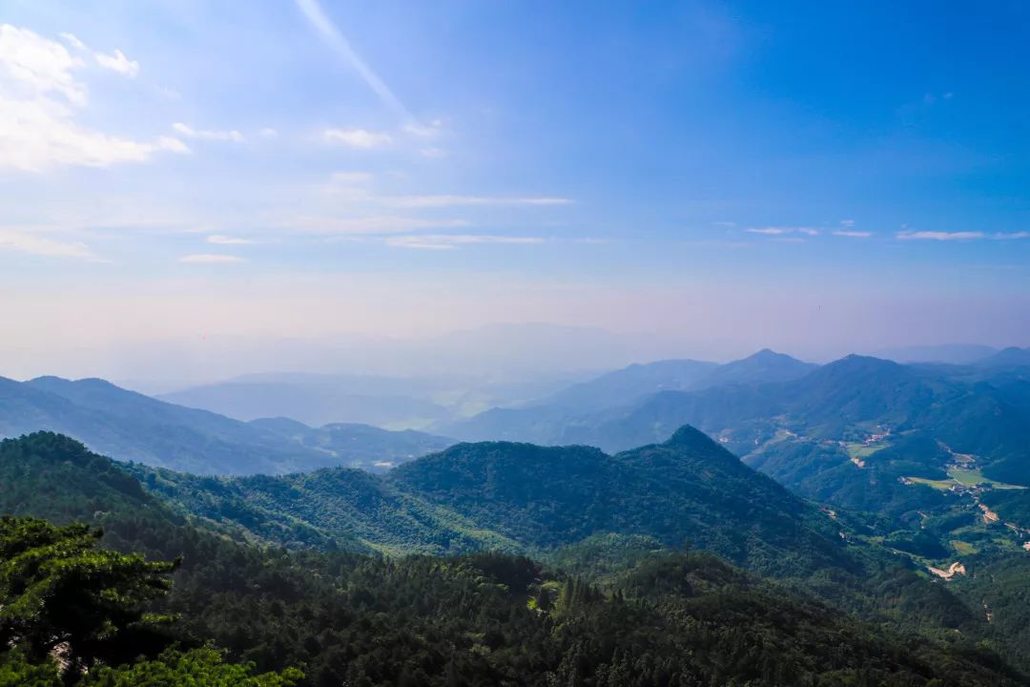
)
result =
(821, 177)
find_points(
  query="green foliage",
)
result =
(1001, 587)
(17, 671)
(60, 593)
(189, 669)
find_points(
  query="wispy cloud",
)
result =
(222, 240)
(354, 185)
(357, 138)
(40, 99)
(210, 259)
(118, 62)
(939, 235)
(32, 244)
(188, 131)
(374, 224)
(335, 39)
(115, 61)
(443, 201)
(453, 241)
(962, 235)
(72, 40)
(853, 234)
(783, 231)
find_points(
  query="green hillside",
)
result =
(658, 617)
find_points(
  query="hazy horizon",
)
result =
(502, 352)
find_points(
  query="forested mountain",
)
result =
(131, 426)
(659, 618)
(543, 420)
(521, 497)
(687, 488)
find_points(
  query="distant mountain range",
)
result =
(131, 426)
(628, 385)
(767, 398)
(952, 354)
(545, 420)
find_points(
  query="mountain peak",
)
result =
(858, 360)
(690, 436)
(1011, 356)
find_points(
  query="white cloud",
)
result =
(33, 67)
(939, 235)
(27, 242)
(222, 240)
(432, 130)
(853, 234)
(783, 231)
(118, 62)
(210, 259)
(961, 235)
(73, 40)
(40, 98)
(208, 134)
(268, 132)
(847, 222)
(452, 241)
(370, 225)
(443, 201)
(357, 138)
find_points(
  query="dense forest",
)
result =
(76, 614)
(612, 610)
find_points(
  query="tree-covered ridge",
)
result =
(520, 497)
(487, 619)
(687, 489)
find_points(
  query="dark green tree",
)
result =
(63, 597)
